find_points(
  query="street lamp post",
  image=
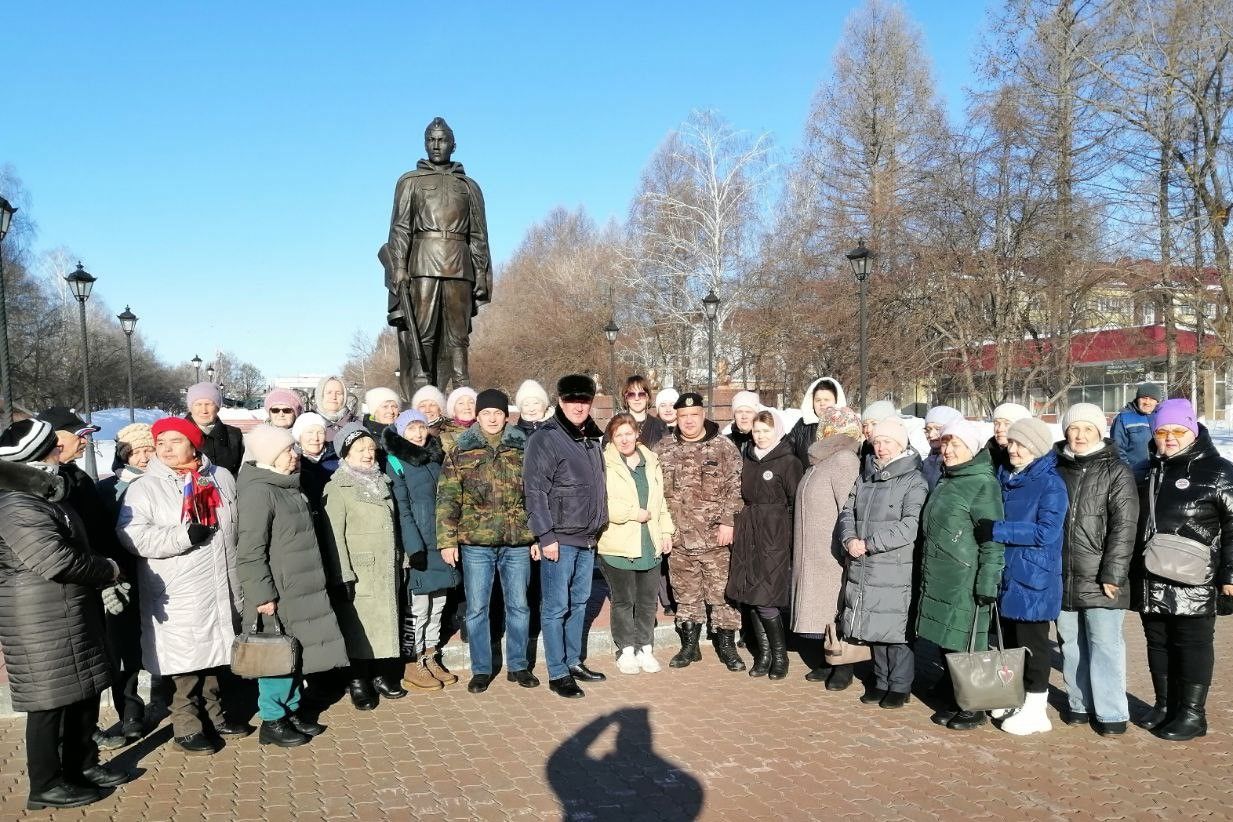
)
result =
(82, 282)
(196, 361)
(710, 305)
(210, 373)
(610, 331)
(859, 259)
(128, 322)
(6, 378)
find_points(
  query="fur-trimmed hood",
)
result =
(473, 438)
(410, 453)
(15, 476)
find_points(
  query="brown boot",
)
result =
(416, 677)
(442, 674)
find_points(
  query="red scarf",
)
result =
(201, 497)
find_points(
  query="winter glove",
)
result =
(984, 531)
(985, 599)
(117, 597)
(418, 561)
(198, 533)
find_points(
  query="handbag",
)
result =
(1174, 557)
(256, 654)
(839, 651)
(988, 680)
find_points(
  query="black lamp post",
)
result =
(859, 258)
(710, 305)
(82, 282)
(196, 361)
(210, 373)
(128, 322)
(610, 331)
(6, 378)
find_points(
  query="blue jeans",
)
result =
(1094, 662)
(565, 587)
(480, 565)
(277, 697)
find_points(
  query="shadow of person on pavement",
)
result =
(623, 781)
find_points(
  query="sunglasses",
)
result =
(282, 410)
(1175, 433)
(635, 395)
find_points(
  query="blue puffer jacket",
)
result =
(1131, 433)
(413, 472)
(1036, 502)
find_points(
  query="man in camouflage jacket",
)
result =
(702, 485)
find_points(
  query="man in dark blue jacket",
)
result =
(1132, 429)
(563, 481)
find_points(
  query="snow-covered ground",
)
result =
(111, 420)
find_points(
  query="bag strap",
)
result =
(994, 617)
(256, 629)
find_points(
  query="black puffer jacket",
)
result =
(1100, 527)
(51, 617)
(1200, 509)
(223, 444)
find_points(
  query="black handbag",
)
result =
(256, 654)
(988, 680)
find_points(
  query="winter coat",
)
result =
(805, 433)
(98, 516)
(623, 536)
(450, 431)
(223, 445)
(702, 485)
(278, 559)
(1035, 504)
(954, 569)
(883, 509)
(999, 455)
(760, 572)
(1202, 510)
(1100, 527)
(1131, 433)
(931, 468)
(563, 481)
(190, 597)
(51, 617)
(528, 427)
(413, 471)
(315, 474)
(361, 550)
(479, 494)
(817, 570)
(651, 430)
(739, 438)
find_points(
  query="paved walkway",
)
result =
(698, 743)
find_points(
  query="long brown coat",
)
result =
(817, 576)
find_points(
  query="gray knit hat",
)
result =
(1150, 389)
(1033, 434)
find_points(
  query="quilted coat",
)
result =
(1035, 502)
(760, 572)
(413, 471)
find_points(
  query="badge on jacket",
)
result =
(1182, 484)
(768, 475)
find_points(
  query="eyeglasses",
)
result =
(282, 410)
(635, 395)
(1174, 433)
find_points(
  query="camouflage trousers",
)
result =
(699, 580)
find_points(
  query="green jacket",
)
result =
(954, 568)
(479, 494)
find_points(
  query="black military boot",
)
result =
(690, 632)
(778, 641)
(725, 649)
(762, 649)
(1160, 711)
(1190, 721)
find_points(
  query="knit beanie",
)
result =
(942, 415)
(746, 399)
(893, 429)
(27, 441)
(307, 421)
(131, 437)
(965, 431)
(1149, 389)
(1033, 434)
(528, 390)
(879, 411)
(492, 398)
(406, 418)
(1086, 412)
(429, 392)
(204, 391)
(265, 442)
(461, 391)
(181, 426)
(284, 398)
(667, 395)
(1175, 412)
(376, 396)
(1011, 411)
(349, 435)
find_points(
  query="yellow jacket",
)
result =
(623, 536)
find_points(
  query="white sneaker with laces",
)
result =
(648, 661)
(627, 662)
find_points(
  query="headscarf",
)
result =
(837, 421)
(319, 394)
(777, 431)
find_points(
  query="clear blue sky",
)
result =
(227, 168)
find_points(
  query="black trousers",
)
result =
(1035, 637)
(894, 666)
(443, 326)
(1180, 646)
(633, 595)
(124, 654)
(60, 744)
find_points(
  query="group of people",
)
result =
(349, 532)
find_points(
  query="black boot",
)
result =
(64, 795)
(840, 678)
(1190, 721)
(690, 632)
(363, 697)
(725, 648)
(1160, 711)
(778, 642)
(282, 733)
(761, 647)
(389, 686)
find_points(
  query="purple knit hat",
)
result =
(1175, 412)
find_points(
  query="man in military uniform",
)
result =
(702, 485)
(437, 265)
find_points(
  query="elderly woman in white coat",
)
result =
(179, 518)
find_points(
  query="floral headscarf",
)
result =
(835, 421)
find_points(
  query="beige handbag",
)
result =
(255, 654)
(837, 649)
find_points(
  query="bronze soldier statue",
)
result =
(437, 266)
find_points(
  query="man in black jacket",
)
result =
(224, 445)
(563, 481)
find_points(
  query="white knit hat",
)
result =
(942, 415)
(306, 421)
(265, 442)
(667, 395)
(964, 430)
(1086, 412)
(461, 391)
(1011, 411)
(429, 392)
(880, 410)
(375, 396)
(746, 399)
(530, 389)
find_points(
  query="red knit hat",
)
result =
(180, 426)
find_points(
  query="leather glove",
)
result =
(985, 599)
(418, 561)
(113, 602)
(984, 531)
(198, 533)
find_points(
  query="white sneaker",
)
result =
(648, 661)
(627, 662)
(1032, 718)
